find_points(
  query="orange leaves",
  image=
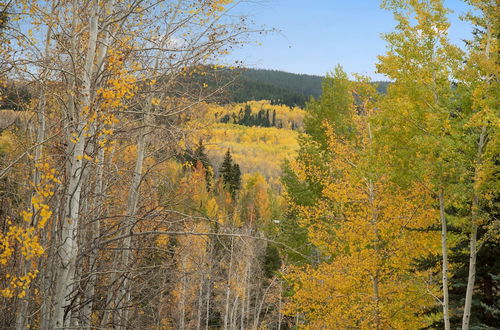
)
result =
(16, 283)
(254, 200)
(219, 5)
(44, 190)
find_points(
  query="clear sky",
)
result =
(316, 35)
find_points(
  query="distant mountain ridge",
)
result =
(305, 84)
(279, 87)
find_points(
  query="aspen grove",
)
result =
(136, 193)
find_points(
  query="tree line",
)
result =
(262, 118)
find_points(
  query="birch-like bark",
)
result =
(182, 300)
(261, 304)
(444, 247)
(280, 316)
(245, 308)
(228, 286)
(133, 200)
(52, 309)
(376, 276)
(374, 223)
(473, 239)
(209, 284)
(95, 226)
(257, 301)
(123, 296)
(243, 296)
(199, 311)
(248, 300)
(207, 311)
(68, 250)
(474, 215)
(234, 313)
(95, 229)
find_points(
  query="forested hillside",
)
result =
(304, 84)
(277, 86)
(142, 186)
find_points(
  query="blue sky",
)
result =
(316, 35)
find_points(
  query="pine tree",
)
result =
(260, 118)
(226, 168)
(247, 119)
(200, 155)
(235, 183)
(231, 174)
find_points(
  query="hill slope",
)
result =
(307, 85)
(279, 87)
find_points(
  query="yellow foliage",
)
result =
(284, 114)
(23, 238)
(256, 149)
(368, 232)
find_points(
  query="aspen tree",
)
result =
(362, 227)
(94, 57)
(422, 62)
(480, 78)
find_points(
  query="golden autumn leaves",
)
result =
(23, 238)
(368, 233)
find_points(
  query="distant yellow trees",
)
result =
(284, 114)
(256, 149)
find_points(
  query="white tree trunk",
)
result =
(209, 286)
(94, 229)
(228, 286)
(182, 301)
(199, 313)
(68, 249)
(471, 278)
(473, 238)
(474, 214)
(444, 247)
(132, 203)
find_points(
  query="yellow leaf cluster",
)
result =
(23, 238)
